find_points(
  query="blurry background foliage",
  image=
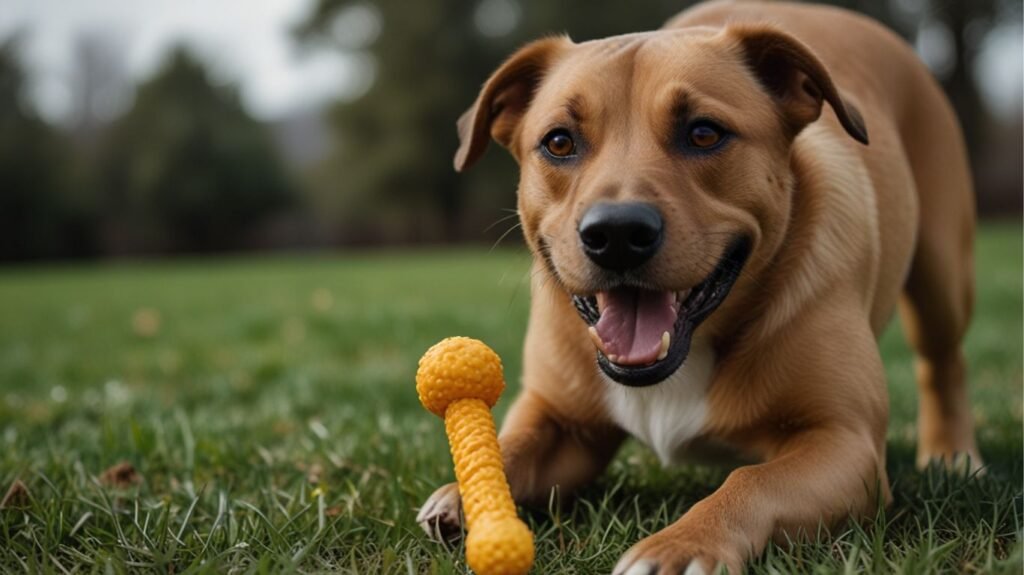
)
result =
(184, 167)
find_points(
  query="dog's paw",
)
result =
(441, 515)
(670, 553)
(964, 460)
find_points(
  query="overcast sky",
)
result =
(248, 42)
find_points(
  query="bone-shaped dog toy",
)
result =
(460, 379)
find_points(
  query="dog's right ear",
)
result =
(504, 99)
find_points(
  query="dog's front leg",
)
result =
(541, 451)
(821, 434)
(820, 477)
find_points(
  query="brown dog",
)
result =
(732, 247)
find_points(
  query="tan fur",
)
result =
(842, 232)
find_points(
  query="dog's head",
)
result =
(654, 168)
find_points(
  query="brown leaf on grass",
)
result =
(333, 511)
(17, 496)
(146, 322)
(283, 427)
(122, 474)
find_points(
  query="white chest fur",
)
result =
(667, 415)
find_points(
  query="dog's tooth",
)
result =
(596, 339)
(612, 358)
(681, 296)
(666, 339)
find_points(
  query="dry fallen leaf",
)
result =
(146, 322)
(17, 496)
(122, 474)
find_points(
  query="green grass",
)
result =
(270, 412)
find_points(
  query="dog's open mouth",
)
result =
(643, 336)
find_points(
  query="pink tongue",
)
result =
(632, 323)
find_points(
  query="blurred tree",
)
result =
(99, 86)
(966, 23)
(34, 214)
(187, 168)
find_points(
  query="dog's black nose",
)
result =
(621, 236)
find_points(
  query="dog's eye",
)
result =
(704, 135)
(558, 143)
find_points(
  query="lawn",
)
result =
(259, 415)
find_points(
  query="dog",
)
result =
(717, 247)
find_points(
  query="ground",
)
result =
(259, 415)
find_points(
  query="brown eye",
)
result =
(704, 136)
(559, 144)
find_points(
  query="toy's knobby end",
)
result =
(504, 547)
(458, 368)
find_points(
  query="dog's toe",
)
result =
(695, 568)
(441, 515)
(666, 554)
(642, 568)
(647, 567)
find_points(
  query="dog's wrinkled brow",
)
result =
(574, 108)
(680, 103)
(685, 103)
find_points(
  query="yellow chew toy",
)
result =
(460, 380)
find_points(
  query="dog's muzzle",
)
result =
(643, 336)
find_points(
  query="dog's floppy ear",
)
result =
(504, 99)
(795, 77)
